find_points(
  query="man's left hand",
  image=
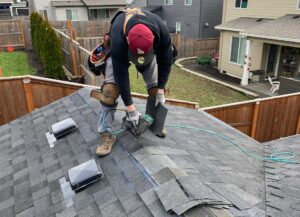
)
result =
(160, 97)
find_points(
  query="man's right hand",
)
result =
(133, 115)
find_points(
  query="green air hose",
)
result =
(283, 157)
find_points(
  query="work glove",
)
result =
(160, 98)
(134, 117)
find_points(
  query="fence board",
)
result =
(188, 47)
(84, 28)
(276, 117)
(12, 100)
(11, 33)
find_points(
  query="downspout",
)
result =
(200, 20)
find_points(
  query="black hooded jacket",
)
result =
(119, 50)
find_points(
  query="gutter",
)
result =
(270, 37)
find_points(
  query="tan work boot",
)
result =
(163, 134)
(107, 142)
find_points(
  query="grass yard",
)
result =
(15, 63)
(185, 86)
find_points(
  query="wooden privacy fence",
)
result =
(188, 47)
(83, 28)
(12, 33)
(76, 59)
(21, 95)
(263, 119)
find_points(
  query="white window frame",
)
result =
(188, 2)
(176, 24)
(238, 52)
(240, 4)
(298, 5)
(169, 2)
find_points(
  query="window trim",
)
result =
(169, 0)
(185, 2)
(238, 53)
(240, 5)
(176, 27)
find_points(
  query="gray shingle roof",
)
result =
(105, 2)
(67, 3)
(242, 24)
(285, 28)
(30, 171)
(283, 180)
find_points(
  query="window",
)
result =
(238, 49)
(298, 6)
(178, 27)
(100, 13)
(72, 14)
(188, 2)
(168, 2)
(241, 3)
(44, 14)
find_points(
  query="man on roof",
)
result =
(139, 37)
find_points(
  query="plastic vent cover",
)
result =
(84, 174)
(63, 128)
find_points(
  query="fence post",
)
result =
(73, 54)
(1, 73)
(254, 120)
(80, 61)
(28, 93)
(298, 126)
(21, 26)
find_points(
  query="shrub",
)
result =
(47, 46)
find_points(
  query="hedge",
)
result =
(47, 46)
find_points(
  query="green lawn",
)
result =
(185, 86)
(15, 63)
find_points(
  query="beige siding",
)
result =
(260, 8)
(61, 13)
(256, 48)
(225, 49)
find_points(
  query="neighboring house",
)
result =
(138, 3)
(103, 9)
(10, 8)
(192, 18)
(260, 38)
(82, 10)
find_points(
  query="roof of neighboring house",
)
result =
(147, 177)
(283, 180)
(241, 24)
(105, 2)
(67, 3)
(285, 28)
(6, 1)
(153, 8)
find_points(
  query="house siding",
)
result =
(212, 14)
(192, 17)
(233, 69)
(61, 13)
(43, 5)
(139, 3)
(260, 8)
(271, 9)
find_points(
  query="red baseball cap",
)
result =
(140, 42)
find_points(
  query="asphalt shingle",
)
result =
(31, 170)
